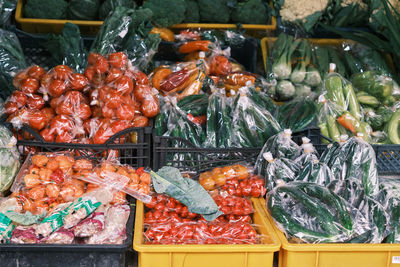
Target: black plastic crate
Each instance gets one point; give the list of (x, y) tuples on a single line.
[(32, 255), (131, 146), (182, 154)]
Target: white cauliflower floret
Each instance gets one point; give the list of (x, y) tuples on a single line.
[(293, 10)]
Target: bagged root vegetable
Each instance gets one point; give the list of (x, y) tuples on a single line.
[(310, 213)]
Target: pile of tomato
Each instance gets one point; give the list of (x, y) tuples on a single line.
[(67, 107)]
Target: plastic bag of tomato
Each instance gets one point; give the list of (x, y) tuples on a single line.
[(67, 107)]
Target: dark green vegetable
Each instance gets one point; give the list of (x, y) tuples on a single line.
[(297, 114), (6, 9), (46, 9), (67, 48), (194, 104), (12, 60), (166, 12), (192, 14), (334, 88), (251, 12), (216, 11), (322, 59), (393, 127), (83, 9), (109, 5)]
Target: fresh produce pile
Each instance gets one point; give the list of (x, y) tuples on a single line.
[(333, 198), (9, 155), (168, 221), (307, 16), (69, 107), (367, 105), (58, 199), (296, 67)]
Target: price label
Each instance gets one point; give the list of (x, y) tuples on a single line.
[(396, 259)]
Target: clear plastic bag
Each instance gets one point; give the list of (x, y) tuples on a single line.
[(9, 159), (310, 213), (316, 172), (279, 171), (252, 125)]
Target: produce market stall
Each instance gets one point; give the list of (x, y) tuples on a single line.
[(196, 132)]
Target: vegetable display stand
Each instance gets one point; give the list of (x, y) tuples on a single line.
[(328, 255), (33, 25), (69, 255), (208, 255), (131, 146)]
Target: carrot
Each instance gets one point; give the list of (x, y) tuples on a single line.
[(342, 120)]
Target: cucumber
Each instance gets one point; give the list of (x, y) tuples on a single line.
[(393, 128), (368, 100)]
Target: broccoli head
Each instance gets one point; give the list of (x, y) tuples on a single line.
[(251, 12), (46, 9), (192, 14), (110, 5), (83, 9), (218, 11), (166, 12)]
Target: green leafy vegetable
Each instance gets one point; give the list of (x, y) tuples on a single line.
[(166, 12), (83, 9), (168, 180), (46, 9), (110, 5)]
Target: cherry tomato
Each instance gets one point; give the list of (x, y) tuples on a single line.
[(125, 112), (64, 137), (11, 107), (246, 190), (18, 78), (150, 107), (119, 125), (139, 77), (101, 65), (65, 108), (118, 59), (37, 120), (89, 73), (75, 97), (54, 102), (140, 121), (35, 102), (255, 192), (19, 97), (46, 80), (36, 72), (113, 75), (57, 176), (47, 135), (114, 99), (108, 112), (78, 81), (29, 85), (61, 72), (57, 88), (124, 85)]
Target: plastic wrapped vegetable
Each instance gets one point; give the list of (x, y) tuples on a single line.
[(352, 191), (315, 172), (297, 114), (279, 171), (310, 213), (328, 113), (9, 163), (308, 155), (390, 198), (252, 125)]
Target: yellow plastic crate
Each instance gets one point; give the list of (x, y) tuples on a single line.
[(87, 27), (334, 255), (260, 255)]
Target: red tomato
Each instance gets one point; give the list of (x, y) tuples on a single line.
[(124, 85), (11, 107), (35, 102), (150, 107), (104, 93), (46, 80), (75, 97), (140, 121), (61, 72), (65, 108), (64, 137), (142, 92), (47, 135), (57, 88), (37, 120), (107, 112), (101, 136), (255, 192), (61, 123), (89, 73), (29, 85), (83, 111), (125, 112), (113, 75), (114, 99), (246, 190), (92, 58), (101, 65), (118, 59), (78, 81), (36, 72), (54, 102), (19, 97), (139, 77), (18, 78), (57, 176), (119, 125)]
